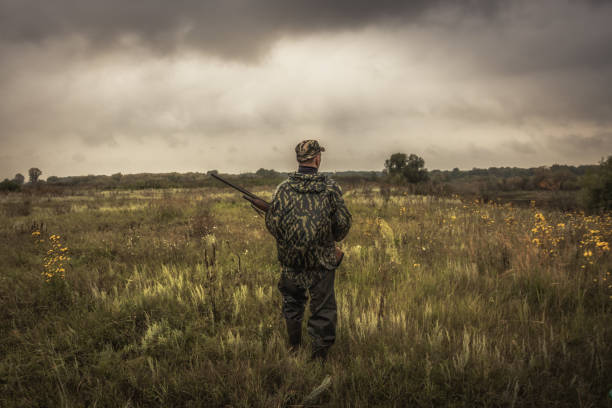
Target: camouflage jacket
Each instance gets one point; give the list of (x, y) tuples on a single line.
[(307, 216)]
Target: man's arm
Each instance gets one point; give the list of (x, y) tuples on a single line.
[(272, 215)]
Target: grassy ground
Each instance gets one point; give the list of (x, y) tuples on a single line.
[(168, 298)]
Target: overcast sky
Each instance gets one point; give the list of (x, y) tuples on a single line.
[(98, 87)]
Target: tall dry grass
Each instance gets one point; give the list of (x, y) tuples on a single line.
[(169, 299)]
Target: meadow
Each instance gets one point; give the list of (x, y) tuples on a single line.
[(168, 298)]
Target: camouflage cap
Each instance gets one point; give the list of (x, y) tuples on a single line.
[(307, 149)]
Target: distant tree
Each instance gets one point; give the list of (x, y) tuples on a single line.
[(395, 164), (597, 187), (266, 173), (34, 174), (9, 185), (409, 168), (116, 177), (543, 179), (19, 179), (565, 178), (52, 179), (415, 171)]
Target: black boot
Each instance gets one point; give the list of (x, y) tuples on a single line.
[(294, 329)]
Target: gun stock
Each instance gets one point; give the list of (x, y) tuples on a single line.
[(258, 203)]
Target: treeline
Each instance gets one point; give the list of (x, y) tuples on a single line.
[(261, 177), (554, 178), (568, 187)]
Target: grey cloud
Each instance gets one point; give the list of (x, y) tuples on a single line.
[(516, 146), (98, 139), (78, 158), (230, 28), (582, 146), (555, 55)]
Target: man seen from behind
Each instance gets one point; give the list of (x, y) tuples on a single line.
[(307, 217)]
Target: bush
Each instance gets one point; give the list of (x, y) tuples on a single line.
[(597, 187), (9, 185)]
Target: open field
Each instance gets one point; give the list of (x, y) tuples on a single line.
[(168, 298)]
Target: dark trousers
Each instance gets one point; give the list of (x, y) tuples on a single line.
[(323, 311)]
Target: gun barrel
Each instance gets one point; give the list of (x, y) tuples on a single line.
[(242, 190)]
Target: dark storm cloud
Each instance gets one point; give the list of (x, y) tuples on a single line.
[(580, 145), (159, 84), (516, 146), (229, 28)]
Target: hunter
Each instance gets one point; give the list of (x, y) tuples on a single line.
[(307, 217)]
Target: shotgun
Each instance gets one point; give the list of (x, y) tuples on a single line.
[(255, 201)]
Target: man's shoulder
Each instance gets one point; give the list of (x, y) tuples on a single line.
[(281, 188), (332, 185), (283, 185)]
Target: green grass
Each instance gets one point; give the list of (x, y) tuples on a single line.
[(170, 299)]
